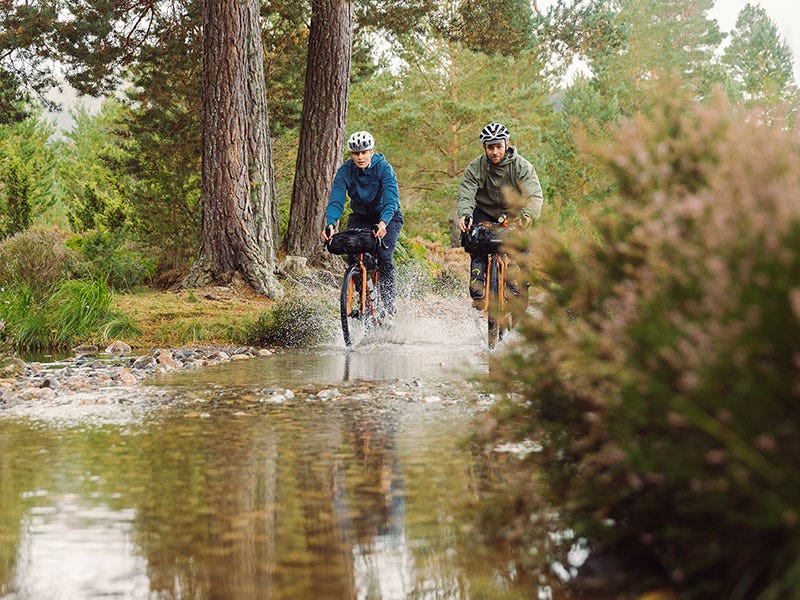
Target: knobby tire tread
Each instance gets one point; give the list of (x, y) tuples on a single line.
[(368, 314), (346, 301), (493, 311)]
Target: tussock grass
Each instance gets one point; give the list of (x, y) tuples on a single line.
[(76, 311)]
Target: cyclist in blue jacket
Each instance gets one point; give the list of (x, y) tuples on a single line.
[(370, 183)]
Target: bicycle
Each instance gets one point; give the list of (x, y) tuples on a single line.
[(360, 305), (484, 238)]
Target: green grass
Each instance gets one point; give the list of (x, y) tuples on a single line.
[(76, 311)]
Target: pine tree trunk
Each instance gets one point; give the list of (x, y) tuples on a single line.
[(263, 193), (235, 228), (323, 122)]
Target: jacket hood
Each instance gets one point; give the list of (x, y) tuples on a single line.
[(511, 154), (377, 158)]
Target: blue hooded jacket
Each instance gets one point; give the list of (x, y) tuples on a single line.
[(373, 191)]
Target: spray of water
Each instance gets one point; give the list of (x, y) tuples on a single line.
[(430, 337)]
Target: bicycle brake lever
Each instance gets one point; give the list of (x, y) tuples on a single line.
[(379, 243)]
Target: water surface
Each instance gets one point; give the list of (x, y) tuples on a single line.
[(219, 483)]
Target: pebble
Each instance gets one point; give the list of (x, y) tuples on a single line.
[(91, 370), (108, 379)]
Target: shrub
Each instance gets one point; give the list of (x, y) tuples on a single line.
[(662, 380), (37, 259), (292, 322), (108, 256)]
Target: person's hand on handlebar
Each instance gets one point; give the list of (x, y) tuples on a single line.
[(465, 222), (328, 232), (524, 221), (379, 230)]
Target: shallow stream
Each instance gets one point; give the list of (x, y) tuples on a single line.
[(325, 474)]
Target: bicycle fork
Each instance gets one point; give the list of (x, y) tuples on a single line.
[(369, 292)]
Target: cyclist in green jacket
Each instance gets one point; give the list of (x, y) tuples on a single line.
[(496, 185)]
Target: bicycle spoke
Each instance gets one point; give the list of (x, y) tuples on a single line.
[(359, 312), (494, 308)]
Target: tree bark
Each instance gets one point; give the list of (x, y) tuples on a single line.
[(323, 122), (236, 222), (263, 193)]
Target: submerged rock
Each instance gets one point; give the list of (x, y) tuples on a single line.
[(90, 371), (119, 348)]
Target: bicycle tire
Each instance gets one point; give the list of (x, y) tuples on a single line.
[(358, 314), (494, 305), (350, 305), (505, 320)]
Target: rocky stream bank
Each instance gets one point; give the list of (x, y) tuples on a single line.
[(113, 370), (114, 376)]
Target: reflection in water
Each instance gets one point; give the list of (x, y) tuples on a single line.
[(79, 544), (433, 342), (233, 499), (383, 561), (221, 494)]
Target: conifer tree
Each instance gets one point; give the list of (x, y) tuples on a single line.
[(26, 33), (759, 61), (663, 38)]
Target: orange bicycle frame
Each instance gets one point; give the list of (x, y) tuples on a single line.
[(501, 282), (365, 298)]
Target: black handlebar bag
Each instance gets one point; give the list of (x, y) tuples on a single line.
[(481, 240), (352, 241)]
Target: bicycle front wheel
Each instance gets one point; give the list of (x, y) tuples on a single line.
[(359, 311), (351, 307), (495, 309)]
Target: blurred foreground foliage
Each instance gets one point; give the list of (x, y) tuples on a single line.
[(661, 375)]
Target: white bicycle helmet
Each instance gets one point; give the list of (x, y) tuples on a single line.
[(494, 132), (360, 141)]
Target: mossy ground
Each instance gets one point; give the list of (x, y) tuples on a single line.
[(209, 315)]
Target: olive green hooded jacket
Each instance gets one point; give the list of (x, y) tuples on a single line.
[(509, 188)]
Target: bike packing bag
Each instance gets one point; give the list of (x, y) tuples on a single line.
[(352, 241), (481, 240)]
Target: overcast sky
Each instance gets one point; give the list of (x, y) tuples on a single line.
[(784, 13)]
